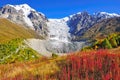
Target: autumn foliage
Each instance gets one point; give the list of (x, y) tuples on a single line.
[(100, 65), (91, 65)]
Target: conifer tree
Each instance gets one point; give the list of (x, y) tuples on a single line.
[(113, 42), (106, 44)]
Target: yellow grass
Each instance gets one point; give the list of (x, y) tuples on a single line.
[(9, 30), (40, 67)]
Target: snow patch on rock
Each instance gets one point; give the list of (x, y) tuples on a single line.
[(26, 11)]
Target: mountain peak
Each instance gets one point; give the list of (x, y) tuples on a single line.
[(24, 7), (107, 14)]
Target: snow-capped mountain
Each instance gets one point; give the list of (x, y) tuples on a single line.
[(80, 23), (25, 15), (59, 29), (106, 15), (26, 11), (59, 33)]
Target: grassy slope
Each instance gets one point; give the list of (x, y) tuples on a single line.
[(16, 51), (12, 48), (9, 30)]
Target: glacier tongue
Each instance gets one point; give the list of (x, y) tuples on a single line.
[(58, 30), (59, 40)]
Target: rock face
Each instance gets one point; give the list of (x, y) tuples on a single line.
[(25, 15), (81, 22), (103, 29)]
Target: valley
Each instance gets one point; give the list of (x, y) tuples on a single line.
[(81, 46)]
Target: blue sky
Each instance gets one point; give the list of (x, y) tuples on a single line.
[(63, 8)]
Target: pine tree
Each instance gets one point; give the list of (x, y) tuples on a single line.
[(106, 44), (113, 42)]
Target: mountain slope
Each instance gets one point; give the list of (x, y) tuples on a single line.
[(16, 51), (9, 30), (81, 22), (12, 46), (74, 25), (103, 29), (23, 14)]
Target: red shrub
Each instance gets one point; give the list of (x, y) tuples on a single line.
[(99, 65)]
